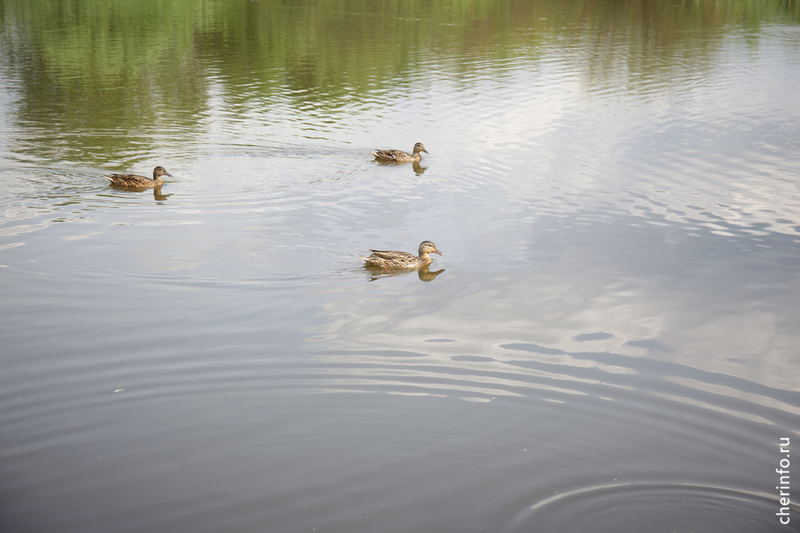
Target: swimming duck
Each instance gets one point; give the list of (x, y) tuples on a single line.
[(400, 156), (402, 260), (132, 180)]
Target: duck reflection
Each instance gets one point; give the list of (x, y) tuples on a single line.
[(415, 165), (158, 196), (418, 169), (424, 273)]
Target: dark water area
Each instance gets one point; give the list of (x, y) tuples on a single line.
[(610, 342)]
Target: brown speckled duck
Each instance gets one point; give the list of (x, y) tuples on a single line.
[(133, 180), (403, 260), (400, 156)]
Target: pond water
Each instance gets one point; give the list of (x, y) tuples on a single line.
[(609, 344)]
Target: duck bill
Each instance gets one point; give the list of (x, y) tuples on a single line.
[(438, 252)]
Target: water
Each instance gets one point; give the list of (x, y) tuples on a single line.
[(609, 343)]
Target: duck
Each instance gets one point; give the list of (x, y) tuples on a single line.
[(400, 156), (389, 259), (133, 180)]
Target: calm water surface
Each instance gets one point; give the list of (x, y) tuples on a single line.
[(610, 343)]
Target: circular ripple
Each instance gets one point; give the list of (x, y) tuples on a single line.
[(638, 507)]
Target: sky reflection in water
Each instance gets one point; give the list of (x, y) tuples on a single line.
[(614, 325)]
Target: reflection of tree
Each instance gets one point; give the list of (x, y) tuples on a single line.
[(96, 76), (118, 71)]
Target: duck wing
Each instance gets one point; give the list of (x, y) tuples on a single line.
[(391, 255), (392, 155), (129, 180)]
